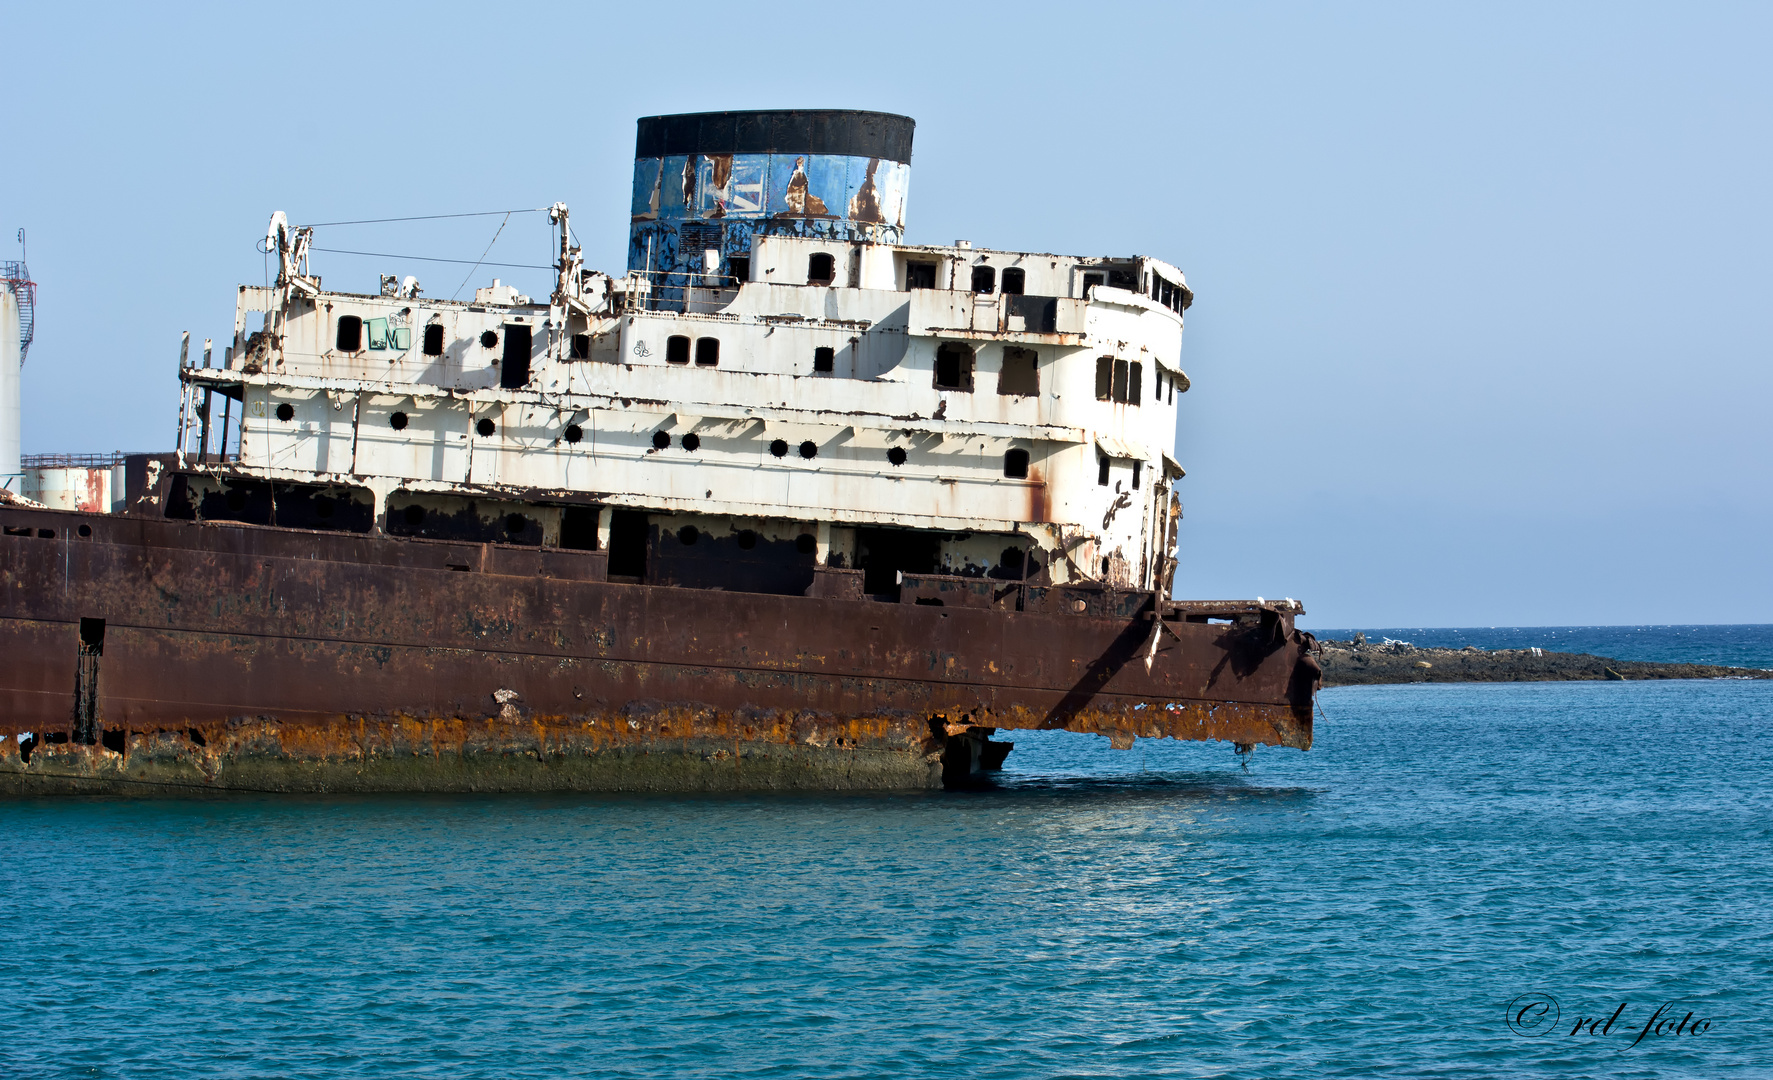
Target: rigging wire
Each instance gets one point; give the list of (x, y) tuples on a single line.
[(422, 258), (424, 217), (483, 255)]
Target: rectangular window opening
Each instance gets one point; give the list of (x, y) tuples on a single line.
[(1015, 279), (1135, 380), (1090, 281), (434, 339), (1015, 464), (1104, 378), (821, 269), (954, 367), (1137, 467), (677, 349), (920, 275), (578, 528), (984, 279), (581, 347), (1102, 464), (514, 364), (350, 337), (824, 359), (1120, 381), (707, 351), (738, 268), (1020, 374)]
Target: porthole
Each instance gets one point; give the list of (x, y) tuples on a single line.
[(573, 433), (486, 427), (896, 455), (779, 448), (397, 421), (286, 412), (806, 543), (489, 340), (809, 449), (747, 539), (515, 523), (692, 442), (661, 440), (688, 535)]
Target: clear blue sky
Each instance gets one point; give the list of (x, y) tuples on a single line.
[(1481, 333)]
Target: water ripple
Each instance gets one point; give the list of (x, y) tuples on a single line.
[(1366, 909)]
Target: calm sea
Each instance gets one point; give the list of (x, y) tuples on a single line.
[(1369, 908)]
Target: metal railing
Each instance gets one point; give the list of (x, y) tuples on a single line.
[(72, 461), (17, 275), (661, 290)]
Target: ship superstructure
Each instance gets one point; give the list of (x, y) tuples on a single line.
[(774, 376), (787, 502)]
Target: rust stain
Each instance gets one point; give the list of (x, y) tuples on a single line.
[(865, 206), (801, 202), (240, 657)]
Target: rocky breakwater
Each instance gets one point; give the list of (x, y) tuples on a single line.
[(1358, 662)]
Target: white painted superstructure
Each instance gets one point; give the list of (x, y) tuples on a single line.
[(843, 385)]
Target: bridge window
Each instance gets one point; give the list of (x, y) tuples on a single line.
[(1015, 279), (920, 275), (707, 351), (821, 269), (1091, 280), (1015, 464), (350, 337), (954, 367), (984, 279), (677, 349), (1117, 380), (738, 268)]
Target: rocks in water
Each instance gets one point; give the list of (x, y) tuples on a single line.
[(1356, 662)]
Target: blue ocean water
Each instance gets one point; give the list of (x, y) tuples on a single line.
[(1369, 908), (1740, 645)]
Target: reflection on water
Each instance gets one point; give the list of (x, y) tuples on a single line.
[(1365, 908)]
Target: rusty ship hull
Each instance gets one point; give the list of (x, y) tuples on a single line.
[(148, 656)]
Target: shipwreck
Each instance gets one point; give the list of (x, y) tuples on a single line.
[(787, 503)]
